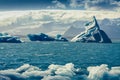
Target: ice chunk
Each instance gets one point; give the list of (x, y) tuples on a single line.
[(102, 72), (5, 37), (60, 38), (40, 37), (61, 72), (97, 72), (57, 77)]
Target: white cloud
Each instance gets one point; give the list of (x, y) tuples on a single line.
[(76, 3), (57, 5), (53, 20), (102, 5), (110, 5)]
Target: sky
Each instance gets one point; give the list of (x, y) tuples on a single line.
[(51, 22), (112, 5), (52, 16)]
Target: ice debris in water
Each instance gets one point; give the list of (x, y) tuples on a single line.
[(67, 70), (4, 78), (102, 72), (97, 72), (61, 72), (57, 77), (28, 71)]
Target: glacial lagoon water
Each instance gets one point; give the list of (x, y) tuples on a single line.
[(59, 61)]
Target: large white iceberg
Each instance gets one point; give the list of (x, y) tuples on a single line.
[(92, 33)]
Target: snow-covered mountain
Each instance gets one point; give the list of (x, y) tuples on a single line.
[(111, 27), (73, 31)]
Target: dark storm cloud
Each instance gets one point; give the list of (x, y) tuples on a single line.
[(95, 4), (102, 4), (59, 4), (23, 4), (28, 4)]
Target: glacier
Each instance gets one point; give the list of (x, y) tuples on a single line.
[(92, 33)]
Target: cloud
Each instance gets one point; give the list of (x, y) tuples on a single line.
[(101, 5), (76, 3), (113, 5), (49, 21), (57, 5)]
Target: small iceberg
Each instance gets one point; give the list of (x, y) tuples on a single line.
[(92, 33), (60, 38), (6, 38), (44, 37), (40, 37)]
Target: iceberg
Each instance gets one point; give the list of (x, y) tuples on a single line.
[(5, 37), (92, 33), (60, 38), (40, 37)]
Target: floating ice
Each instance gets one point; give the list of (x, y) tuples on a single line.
[(40, 37), (102, 72), (60, 38), (44, 37), (57, 77), (67, 70), (4, 78), (61, 72), (5, 37), (97, 72), (92, 33)]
